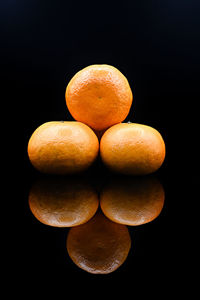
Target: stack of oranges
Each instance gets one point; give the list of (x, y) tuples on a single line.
[(99, 98)]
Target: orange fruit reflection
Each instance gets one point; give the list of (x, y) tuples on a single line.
[(100, 246), (63, 202), (131, 200)]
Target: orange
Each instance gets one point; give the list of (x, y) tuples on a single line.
[(99, 96), (99, 246), (132, 149), (132, 201), (63, 202), (63, 147)]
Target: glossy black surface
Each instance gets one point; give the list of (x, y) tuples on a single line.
[(156, 46)]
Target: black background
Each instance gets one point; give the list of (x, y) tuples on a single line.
[(156, 45)]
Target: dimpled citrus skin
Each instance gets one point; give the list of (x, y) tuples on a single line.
[(99, 96), (132, 201), (63, 202), (131, 148), (63, 147), (99, 246)]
